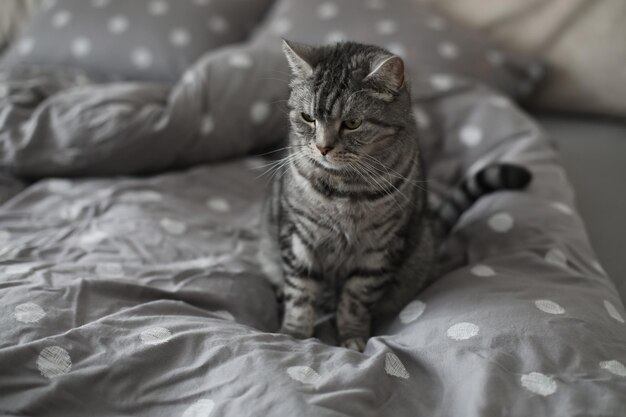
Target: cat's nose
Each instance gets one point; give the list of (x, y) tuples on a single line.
[(324, 149)]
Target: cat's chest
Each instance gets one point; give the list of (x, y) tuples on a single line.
[(342, 244)]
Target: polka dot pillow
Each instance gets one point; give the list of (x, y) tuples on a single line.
[(137, 40), (430, 44)]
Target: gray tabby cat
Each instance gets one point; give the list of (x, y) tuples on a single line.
[(349, 214)]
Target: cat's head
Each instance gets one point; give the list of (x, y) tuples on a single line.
[(347, 100)]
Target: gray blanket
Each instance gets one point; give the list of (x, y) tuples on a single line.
[(144, 297)]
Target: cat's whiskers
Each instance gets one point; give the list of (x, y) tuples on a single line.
[(390, 184), (392, 172), (276, 166), (362, 169)]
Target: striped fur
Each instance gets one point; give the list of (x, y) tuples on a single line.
[(351, 225), (486, 181)]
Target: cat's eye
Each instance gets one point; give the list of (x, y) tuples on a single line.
[(307, 118), (352, 124)]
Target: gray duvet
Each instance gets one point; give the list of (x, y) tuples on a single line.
[(144, 297)]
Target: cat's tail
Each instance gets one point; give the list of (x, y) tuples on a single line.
[(493, 178)]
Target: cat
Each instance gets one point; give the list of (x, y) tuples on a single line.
[(349, 214)]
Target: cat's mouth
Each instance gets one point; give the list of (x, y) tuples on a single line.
[(329, 163)]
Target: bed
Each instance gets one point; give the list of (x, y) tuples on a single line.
[(129, 278)]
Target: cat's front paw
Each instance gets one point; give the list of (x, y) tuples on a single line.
[(355, 343)]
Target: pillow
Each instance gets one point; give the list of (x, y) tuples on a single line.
[(582, 40), (428, 42), (140, 39)]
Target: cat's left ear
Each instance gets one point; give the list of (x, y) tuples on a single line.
[(389, 71)]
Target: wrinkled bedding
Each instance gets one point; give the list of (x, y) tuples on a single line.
[(129, 278), (143, 296)]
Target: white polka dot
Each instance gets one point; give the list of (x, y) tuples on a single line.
[(327, 10), (412, 311), (563, 208), (481, 270), (25, 46), (495, 58), (595, 265), (138, 197), (240, 60), (100, 3), (448, 50), (18, 269), (5, 236), (436, 23), (397, 48), (260, 111), (539, 383), (155, 336), (395, 367), (110, 269), (501, 102), (141, 58), (28, 313), (158, 7), (61, 19), (463, 331), (81, 47), (422, 119), (471, 135), (614, 367), (201, 408), (441, 82), (207, 125), (501, 222), (281, 26), (556, 257), (173, 227), (550, 307), (180, 37), (218, 24), (218, 204), (612, 310), (118, 24), (54, 361), (304, 374), (92, 237), (189, 77), (335, 36), (375, 4), (386, 27)]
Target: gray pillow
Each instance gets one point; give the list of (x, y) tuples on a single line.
[(139, 39), (429, 43)]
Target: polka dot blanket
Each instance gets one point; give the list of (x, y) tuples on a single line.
[(142, 295)]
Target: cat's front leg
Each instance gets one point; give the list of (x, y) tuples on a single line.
[(300, 294), (354, 311)]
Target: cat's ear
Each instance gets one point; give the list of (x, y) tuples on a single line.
[(301, 57), (388, 71)]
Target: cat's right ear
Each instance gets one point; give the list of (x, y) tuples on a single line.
[(301, 57)]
